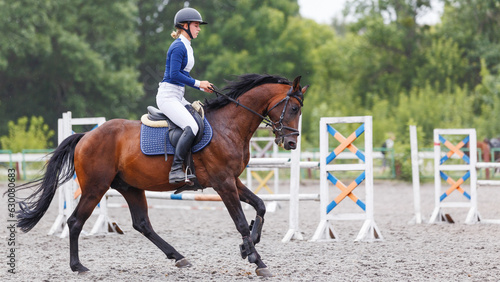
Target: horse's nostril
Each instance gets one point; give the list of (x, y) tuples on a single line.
[(292, 144)]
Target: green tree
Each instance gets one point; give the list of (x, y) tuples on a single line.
[(68, 55), (384, 61), (35, 135), (487, 97), (473, 24), (155, 22), (442, 65)]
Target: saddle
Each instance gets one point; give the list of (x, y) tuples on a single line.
[(157, 120)]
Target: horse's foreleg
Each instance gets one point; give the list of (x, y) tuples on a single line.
[(229, 196), (75, 224), (249, 197), (137, 203)]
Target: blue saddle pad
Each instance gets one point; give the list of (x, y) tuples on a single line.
[(153, 140)]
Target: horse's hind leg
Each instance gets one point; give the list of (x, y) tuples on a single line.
[(82, 212), (136, 200)]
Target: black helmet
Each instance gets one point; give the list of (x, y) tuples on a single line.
[(187, 15)]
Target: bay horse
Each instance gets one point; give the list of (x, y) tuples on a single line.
[(110, 156)]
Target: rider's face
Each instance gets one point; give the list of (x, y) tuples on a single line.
[(195, 28)]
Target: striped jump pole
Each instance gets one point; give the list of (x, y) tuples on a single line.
[(213, 197), (467, 164), (325, 232)]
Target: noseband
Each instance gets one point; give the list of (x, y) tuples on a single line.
[(278, 126)]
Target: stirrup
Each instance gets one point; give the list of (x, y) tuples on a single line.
[(189, 177)]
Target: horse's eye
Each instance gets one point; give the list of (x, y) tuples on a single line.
[(295, 109)]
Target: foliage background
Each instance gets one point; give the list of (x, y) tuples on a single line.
[(105, 58)]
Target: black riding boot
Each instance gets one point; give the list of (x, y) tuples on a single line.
[(181, 150)]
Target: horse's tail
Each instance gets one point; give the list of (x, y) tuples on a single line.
[(59, 169)]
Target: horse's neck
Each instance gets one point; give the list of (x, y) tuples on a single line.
[(241, 121)]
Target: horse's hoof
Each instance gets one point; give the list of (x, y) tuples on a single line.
[(264, 272), (79, 268), (183, 263), (83, 272)]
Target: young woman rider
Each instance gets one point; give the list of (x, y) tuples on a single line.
[(170, 97)]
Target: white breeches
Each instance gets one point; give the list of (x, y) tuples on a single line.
[(170, 100)]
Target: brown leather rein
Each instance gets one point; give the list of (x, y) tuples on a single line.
[(278, 126)]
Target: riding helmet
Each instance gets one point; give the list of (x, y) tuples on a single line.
[(187, 15)]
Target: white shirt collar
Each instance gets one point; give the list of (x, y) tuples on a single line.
[(185, 40)]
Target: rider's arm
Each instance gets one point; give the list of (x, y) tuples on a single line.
[(175, 69)]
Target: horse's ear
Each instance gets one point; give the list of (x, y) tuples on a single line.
[(296, 84), (304, 89)]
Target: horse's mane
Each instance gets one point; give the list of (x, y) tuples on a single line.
[(241, 85)]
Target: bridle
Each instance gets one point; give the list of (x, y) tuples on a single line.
[(278, 127)]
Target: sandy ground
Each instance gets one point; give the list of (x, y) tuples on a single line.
[(209, 240)]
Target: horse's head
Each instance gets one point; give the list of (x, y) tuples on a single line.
[(284, 114)]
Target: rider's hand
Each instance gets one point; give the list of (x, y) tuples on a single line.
[(206, 86)]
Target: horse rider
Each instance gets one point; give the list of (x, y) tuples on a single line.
[(170, 97)]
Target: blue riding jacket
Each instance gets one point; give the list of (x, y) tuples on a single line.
[(180, 61)]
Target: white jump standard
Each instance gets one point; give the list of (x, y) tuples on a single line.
[(469, 167), (369, 231), (417, 219)]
